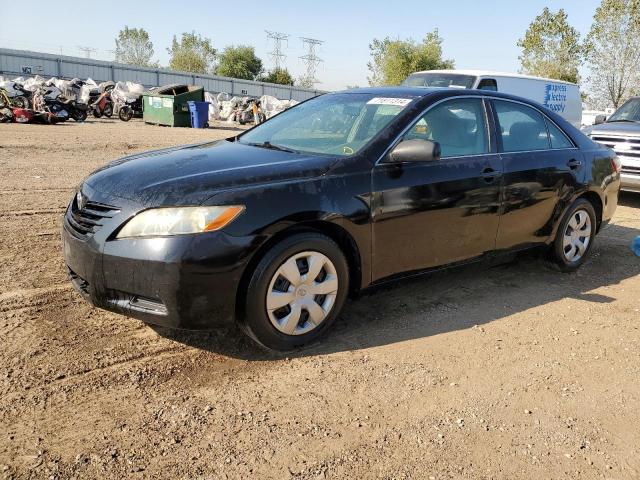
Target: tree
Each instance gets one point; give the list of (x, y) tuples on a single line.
[(551, 47), (239, 62), (192, 53), (278, 75), (613, 53), (134, 47), (394, 60)]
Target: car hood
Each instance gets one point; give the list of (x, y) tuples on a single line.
[(188, 175), (617, 128)]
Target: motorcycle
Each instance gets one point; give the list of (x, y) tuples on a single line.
[(127, 100), (102, 106), (47, 101), (101, 101), (129, 106), (18, 96)]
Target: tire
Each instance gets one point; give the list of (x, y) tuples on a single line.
[(20, 102), (79, 115), (566, 249), (108, 111), (293, 325), (125, 114)]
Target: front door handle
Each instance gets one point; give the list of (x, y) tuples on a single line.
[(489, 174), (574, 164)]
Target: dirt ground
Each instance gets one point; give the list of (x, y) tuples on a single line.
[(514, 371)]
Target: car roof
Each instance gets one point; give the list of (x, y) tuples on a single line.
[(425, 92), (489, 73)]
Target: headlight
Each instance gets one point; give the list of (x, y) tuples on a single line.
[(158, 222)]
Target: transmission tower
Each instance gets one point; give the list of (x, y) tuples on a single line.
[(276, 54), (87, 51), (312, 60)]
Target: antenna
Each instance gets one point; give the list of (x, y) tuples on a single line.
[(276, 54), (87, 51), (312, 60)]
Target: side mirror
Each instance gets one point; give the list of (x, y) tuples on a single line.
[(600, 119), (415, 150)]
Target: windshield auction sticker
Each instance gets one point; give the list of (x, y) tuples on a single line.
[(401, 102)]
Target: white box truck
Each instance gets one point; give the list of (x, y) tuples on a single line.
[(558, 96)]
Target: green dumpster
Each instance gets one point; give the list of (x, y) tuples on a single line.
[(168, 105)]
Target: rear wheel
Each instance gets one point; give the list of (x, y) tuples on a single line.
[(575, 236), (79, 115), (20, 102), (108, 111), (296, 292)]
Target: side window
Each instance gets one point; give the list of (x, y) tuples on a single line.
[(488, 84), (522, 128), (459, 126), (558, 137)]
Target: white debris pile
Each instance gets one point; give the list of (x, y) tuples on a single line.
[(32, 84), (272, 106), (9, 86), (214, 107), (228, 108), (127, 90)]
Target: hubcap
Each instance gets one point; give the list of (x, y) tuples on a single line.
[(577, 236), (302, 293)]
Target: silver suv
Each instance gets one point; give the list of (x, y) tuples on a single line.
[(621, 132)]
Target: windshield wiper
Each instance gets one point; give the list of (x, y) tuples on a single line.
[(271, 146)]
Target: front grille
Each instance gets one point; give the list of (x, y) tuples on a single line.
[(84, 222), (79, 283), (622, 145)]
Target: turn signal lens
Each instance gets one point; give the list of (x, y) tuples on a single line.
[(616, 163), (224, 218), (158, 222)]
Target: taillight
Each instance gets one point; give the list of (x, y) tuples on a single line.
[(616, 164)]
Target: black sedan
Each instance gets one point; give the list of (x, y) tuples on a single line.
[(274, 228)]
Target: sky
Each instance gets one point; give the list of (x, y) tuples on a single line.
[(476, 35)]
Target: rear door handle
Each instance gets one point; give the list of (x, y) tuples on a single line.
[(574, 164), (489, 174)]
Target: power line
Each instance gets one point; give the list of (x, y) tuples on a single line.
[(276, 54), (312, 60), (87, 50)]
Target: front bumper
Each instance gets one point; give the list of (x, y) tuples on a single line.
[(187, 281)]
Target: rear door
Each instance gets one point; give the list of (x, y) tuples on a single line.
[(542, 170), (434, 213)]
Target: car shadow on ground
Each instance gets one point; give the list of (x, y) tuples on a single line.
[(449, 300)]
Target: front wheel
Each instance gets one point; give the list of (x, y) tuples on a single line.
[(296, 292), (575, 236), (125, 114)]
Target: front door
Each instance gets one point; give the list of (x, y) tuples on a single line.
[(435, 213)]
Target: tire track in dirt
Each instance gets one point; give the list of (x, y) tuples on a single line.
[(26, 213)]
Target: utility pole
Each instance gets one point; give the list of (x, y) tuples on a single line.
[(87, 51), (276, 54), (312, 60)]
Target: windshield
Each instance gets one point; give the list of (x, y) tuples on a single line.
[(446, 80), (333, 124), (630, 111)]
